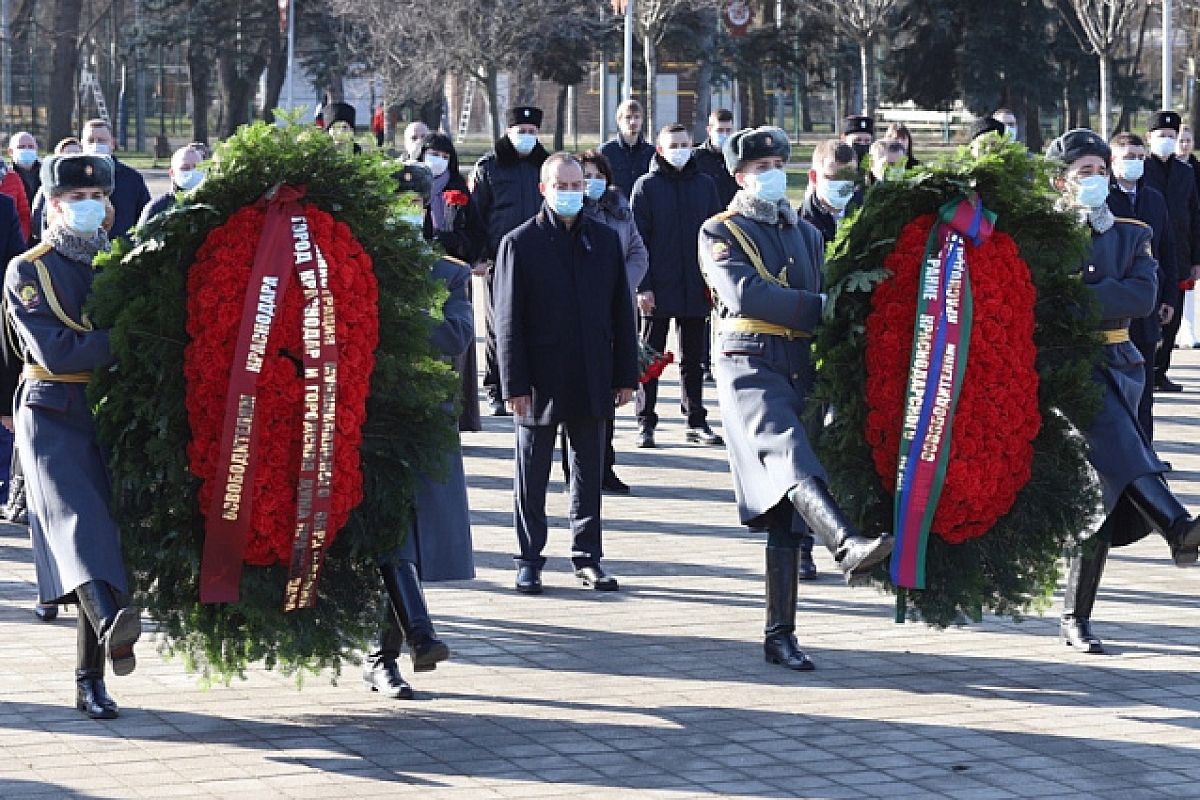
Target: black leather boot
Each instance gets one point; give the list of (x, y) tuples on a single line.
[(1083, 582), (404, 590), (856, 554), (780, 646), (91, 696), (381, 672), (117, 624), (1151, 496), (808, 567)]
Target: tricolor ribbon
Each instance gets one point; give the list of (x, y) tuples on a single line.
[(941, 338)]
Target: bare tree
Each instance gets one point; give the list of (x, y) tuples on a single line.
[(654, 21), (864, 22), (1103, 24)]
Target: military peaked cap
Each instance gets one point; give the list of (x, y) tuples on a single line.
[(1164, 119), (751, 143), (857, 123), (77, 171), (414, 177), (986, 125), (524, 115), (1075, 144), (339, 112)]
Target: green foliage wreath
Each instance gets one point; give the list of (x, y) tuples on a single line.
[(140, 295), (1014, 567)]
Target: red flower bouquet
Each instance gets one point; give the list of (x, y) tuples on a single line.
[(651, 363)]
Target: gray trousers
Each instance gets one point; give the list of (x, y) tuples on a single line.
[(585, 454)]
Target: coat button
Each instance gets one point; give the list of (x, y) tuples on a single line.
[(1091, 267), (795, 376), (791, 260)]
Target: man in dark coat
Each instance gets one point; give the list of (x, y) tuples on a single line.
[(23, 153), (831, 191), (1177, 182), (669, 205), (1122, 275), (184, 177), (129, 195), (568, 355), (764, 266), (1130, 197), (711, 160), (628, 153), (504, 191)]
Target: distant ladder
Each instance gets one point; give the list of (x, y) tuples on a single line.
[(464, 118), (87, 80)]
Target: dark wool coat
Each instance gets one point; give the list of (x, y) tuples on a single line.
[(504, 189), (1122, 274), (129, 197), (669, 206), (712, 163), (1177, 183), (628, 162), (1149, 207), (763, 380), (564, 325), (439, 542), (12, 244), (74, 538)]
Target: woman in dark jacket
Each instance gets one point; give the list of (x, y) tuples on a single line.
[(900, 132), (453, 221)]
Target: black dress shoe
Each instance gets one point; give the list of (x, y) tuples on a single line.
[(1165, 384), (427, 651), (529, 579), (782, 649), (46, 612), (807, 567), (614, 485), (499, 409), (646, 438), (702, 434), (707, 377), (595, 577), (382, 674)]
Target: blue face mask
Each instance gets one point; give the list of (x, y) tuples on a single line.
[(84, 216), (596, 187), (770, 185), (524, 142), (25, 157), (1093, 191), (720, 139), (189, 179), (565, 203)]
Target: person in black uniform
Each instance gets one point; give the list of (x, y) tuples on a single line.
[(1177, 182), (1130, 197), (763, 264), (76, 544), (711, 159), (1123, 277)]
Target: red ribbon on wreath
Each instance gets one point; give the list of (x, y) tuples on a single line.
[(279, 456)]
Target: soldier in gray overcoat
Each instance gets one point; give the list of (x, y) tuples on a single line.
[(763, 265), (1123, 277), (438, 546), (76, 545)]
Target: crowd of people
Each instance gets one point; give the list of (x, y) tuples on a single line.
[(580, 257)]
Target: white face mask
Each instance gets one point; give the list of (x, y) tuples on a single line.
[(770, 185), (97, 149), (836, 193), (188, 179), (437, 165), (679, 157), (1092, 191), (1162, 146), (1132, 169)]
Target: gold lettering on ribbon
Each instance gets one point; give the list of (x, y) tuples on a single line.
[(263, 319)]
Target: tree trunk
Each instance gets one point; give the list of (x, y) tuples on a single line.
[(758, 99), (650, 52), (560, 118), (337, 86), (803, 101), (64, 61), (493, 99), (1105, 95), (704, 75), (1033, 126), (866, 65), (237, 89), (276, 74), (200, 79)]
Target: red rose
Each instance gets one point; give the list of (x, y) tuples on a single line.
[(455, 197)]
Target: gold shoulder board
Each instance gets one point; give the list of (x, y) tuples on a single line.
[(458, 261), (1131, 221)]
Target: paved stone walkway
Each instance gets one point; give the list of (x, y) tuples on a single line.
[(659, 690)]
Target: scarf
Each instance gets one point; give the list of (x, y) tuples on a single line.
[(437, 203), (73, 246), (765, 211), (1099, 219)]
